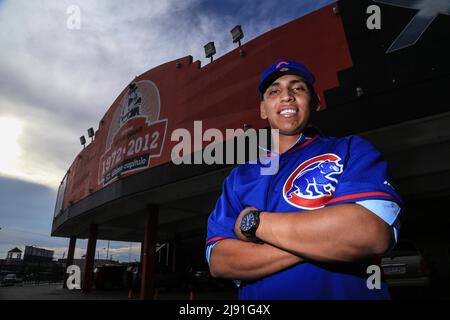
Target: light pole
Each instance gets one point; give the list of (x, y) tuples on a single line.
[(129, 253), (107, 251)]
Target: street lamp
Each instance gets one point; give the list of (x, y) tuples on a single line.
[(107, 251)]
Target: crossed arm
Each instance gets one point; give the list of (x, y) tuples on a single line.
[(340, 233)]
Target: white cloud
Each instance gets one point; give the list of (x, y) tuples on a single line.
[(51, 76), (10, 131)]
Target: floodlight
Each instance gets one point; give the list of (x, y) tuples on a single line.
[(83, 140), (91, 133), (237, 34), (210, 50)]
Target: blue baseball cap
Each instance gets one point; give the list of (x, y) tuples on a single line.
[(283, 67)]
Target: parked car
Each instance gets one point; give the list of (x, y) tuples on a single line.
[(109, 276), (11, 280), (198, 277), (164, 278), (405, 266)]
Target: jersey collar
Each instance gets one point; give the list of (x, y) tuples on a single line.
[(300, 143)]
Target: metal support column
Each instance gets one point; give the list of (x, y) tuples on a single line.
[(69, 261), (90, 259), (149, 245)]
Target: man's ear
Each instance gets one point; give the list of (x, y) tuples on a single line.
[(319, 103), (262, 110)]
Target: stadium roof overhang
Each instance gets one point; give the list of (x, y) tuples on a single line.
[(120, 209)]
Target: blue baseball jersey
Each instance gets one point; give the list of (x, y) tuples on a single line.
[(314, 173)]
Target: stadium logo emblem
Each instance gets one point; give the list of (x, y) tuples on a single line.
[(313, 182), (136, 133), (131, 106)]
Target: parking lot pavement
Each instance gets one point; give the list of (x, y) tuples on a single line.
[(56, 292), (197, 295)]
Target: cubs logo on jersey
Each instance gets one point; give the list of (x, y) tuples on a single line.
[(313, 182)]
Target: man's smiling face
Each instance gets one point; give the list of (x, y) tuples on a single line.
[(286, 105)]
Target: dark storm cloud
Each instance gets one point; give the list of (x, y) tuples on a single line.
[(26, 205), (26, 212)]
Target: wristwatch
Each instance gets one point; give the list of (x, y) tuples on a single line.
[(250, 223)]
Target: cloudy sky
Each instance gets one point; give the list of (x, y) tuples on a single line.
[(57, 80)]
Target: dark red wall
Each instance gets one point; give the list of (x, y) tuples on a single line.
[(222, 94)]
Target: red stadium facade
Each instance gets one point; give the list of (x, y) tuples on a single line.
[(123, 186)]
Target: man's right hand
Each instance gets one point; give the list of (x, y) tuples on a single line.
[(243, 260)]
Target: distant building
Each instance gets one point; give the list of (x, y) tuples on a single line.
[(34, 254), (14, 254)]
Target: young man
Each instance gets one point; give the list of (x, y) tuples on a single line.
[(311, 230)]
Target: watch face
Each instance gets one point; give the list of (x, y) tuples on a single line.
[(247, 222)]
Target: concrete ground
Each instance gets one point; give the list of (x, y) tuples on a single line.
[(46, 291)]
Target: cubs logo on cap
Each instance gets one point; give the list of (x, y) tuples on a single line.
[(283, 67), (313, 182), (281, 63)]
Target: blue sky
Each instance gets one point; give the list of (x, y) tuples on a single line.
[(56, 82)]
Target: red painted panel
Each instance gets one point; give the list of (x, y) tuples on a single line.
[(134, 134)]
